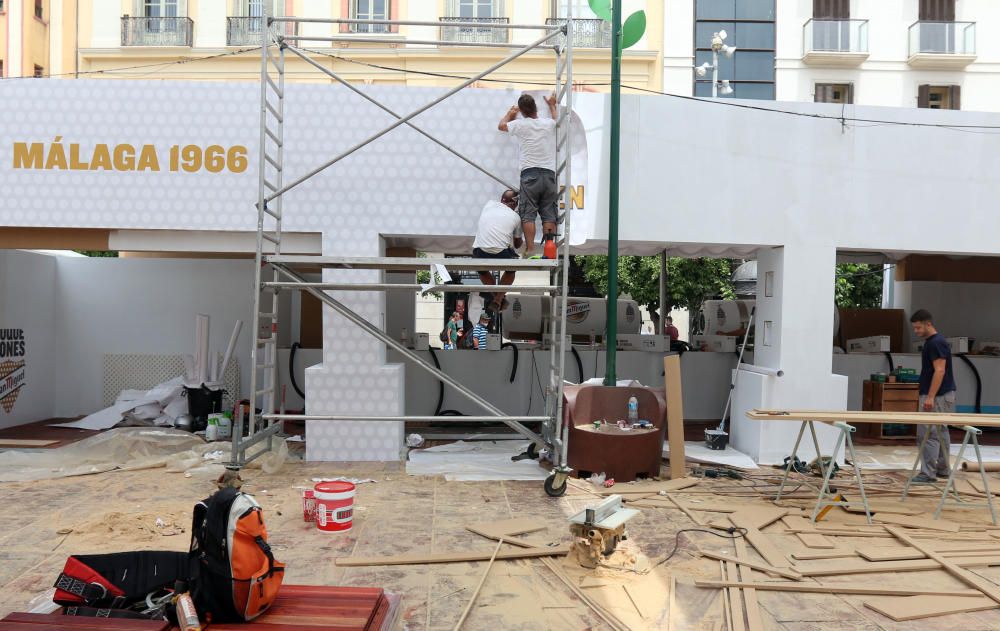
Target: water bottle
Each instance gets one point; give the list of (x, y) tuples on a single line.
[(633, 410)]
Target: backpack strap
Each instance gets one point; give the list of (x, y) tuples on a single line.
[(94, 612)]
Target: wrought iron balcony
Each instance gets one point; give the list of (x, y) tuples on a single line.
[(586, 33), (483, 35), (157, 31), (942, 44), (835, 42), (246, 30)]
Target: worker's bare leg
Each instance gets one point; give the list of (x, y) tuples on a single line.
[(529, 237)]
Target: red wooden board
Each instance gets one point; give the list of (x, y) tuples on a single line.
[(40, 622), (321, 608)]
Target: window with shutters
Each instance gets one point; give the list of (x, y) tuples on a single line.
[(939, 97), (834, 93)]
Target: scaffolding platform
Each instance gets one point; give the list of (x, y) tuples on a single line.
[(285, 271)]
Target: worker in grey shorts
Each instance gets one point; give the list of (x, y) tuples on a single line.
[(536, 139), (937, 394)]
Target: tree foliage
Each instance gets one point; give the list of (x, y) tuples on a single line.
[(859, 285), (99, 253), (689, 281)]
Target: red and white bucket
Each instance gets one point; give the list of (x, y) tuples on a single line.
[(334, 506)]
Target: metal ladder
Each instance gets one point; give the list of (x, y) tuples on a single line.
[(264, 372)]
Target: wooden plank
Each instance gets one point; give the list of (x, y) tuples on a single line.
[(675, 415), (763, 567), (815, 540), (516, 526), (950, 566), (650, 487), (903, 608), (918, 522), (736, 615), (39, 621), (916, 565), (761, 543), (809, 538), (811, 555), (690, 514), (758, 516), (842, 588), (25, 442), (635, 602), (601, 612), (889, 554), (479, 587), (450, 557), (754, 620), (852, 417), (883, 506)]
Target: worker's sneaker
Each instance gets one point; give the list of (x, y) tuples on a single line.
[(944, 474), (920, 478)]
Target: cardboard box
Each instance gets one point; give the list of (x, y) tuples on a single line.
[(648, 343), (872, 344), (714, 343), (958, 344), (493, 342)]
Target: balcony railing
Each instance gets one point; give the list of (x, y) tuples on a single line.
[(943, 38), (586, 33), (246, 31), (157, 31), (836, 36), (467, 34)]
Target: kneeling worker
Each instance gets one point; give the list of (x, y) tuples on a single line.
[(497, 236)]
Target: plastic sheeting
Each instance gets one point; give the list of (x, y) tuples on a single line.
[(698, 452), (130, 449), (462, 461)]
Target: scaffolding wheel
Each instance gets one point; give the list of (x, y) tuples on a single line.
[(555, 484)]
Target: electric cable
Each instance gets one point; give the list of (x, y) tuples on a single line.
[(742, 533), (979, 381), (440, 402), (892, 364), (291, 370), (513, 368), (579, 362), (164, 64)]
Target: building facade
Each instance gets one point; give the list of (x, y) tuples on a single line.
[(34, 35), (120, 33), (938, 54)]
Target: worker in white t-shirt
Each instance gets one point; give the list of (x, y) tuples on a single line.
[(536, 138), (497, 237)]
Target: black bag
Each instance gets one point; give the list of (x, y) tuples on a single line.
[(234, 577), (444, 335)]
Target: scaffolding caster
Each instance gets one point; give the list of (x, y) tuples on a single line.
[(555, 484), (531, 453)]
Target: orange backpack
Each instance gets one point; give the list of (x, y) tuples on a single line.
[(234, 577)]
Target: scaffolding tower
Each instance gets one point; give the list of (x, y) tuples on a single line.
[(276, 271)]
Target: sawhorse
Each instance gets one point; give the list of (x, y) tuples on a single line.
[(971, 435), (824, 491)]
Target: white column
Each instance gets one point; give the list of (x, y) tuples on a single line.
[(794, 333)]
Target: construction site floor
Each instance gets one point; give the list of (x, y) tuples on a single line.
[(44, 522)]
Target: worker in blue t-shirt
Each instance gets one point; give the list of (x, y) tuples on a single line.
[(937, 394)]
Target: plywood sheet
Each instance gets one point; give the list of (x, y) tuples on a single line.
[(24, 443), (903, 608), (675, 415)]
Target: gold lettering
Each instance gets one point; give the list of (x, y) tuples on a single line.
[(124, 157), (74, 158), (576, 197), (28, 156), (57, 156), (101, 159), (148, 160)]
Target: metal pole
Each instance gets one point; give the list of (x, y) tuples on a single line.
[(610, 376), (736, 373), (663, 293), (395, 345), (397, 41), (715, 73), (402, 121), (485, 25), (375, 102), (568, 202)]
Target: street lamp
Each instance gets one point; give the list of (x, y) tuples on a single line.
[(718, 45)]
